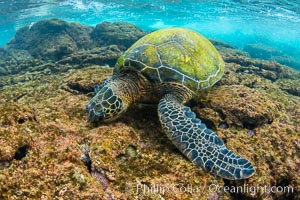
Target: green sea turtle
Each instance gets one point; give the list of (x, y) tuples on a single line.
[(171, 64)]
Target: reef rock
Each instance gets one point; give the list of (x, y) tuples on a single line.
[(266, 52), (267, 69), (238, 105), (98, 56), (14, 61), (262, 51), (289, 85), (121, 33), (288, 61), (3, 54), (220, 44), (52, 39)]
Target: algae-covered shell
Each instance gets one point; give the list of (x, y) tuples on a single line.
[(175, 55)]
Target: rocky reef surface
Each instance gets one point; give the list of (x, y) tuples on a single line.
[(48, 150), (263, 51)]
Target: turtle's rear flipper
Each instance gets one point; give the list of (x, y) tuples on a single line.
[(200, 144)]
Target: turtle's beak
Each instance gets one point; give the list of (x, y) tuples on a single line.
[(94, 115)]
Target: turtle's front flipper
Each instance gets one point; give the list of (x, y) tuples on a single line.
[(200, 144)]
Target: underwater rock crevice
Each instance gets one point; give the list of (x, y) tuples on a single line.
[(21, 152), (76, 87), (4, 164), (96, 173)]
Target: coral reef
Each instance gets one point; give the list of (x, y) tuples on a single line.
[(48, 150)]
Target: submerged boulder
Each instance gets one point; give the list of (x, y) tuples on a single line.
[(52, 39), (120, 33)]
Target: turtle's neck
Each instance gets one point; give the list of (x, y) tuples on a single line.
[(130, 85)]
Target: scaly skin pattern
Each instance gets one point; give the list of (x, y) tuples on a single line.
[(114, 95), (198, 143), (106, 103)]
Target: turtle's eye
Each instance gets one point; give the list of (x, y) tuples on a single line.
[(98, 107)]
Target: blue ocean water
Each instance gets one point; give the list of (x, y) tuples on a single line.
[(274, 23)]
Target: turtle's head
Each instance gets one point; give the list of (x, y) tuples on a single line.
[(106, 105)]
